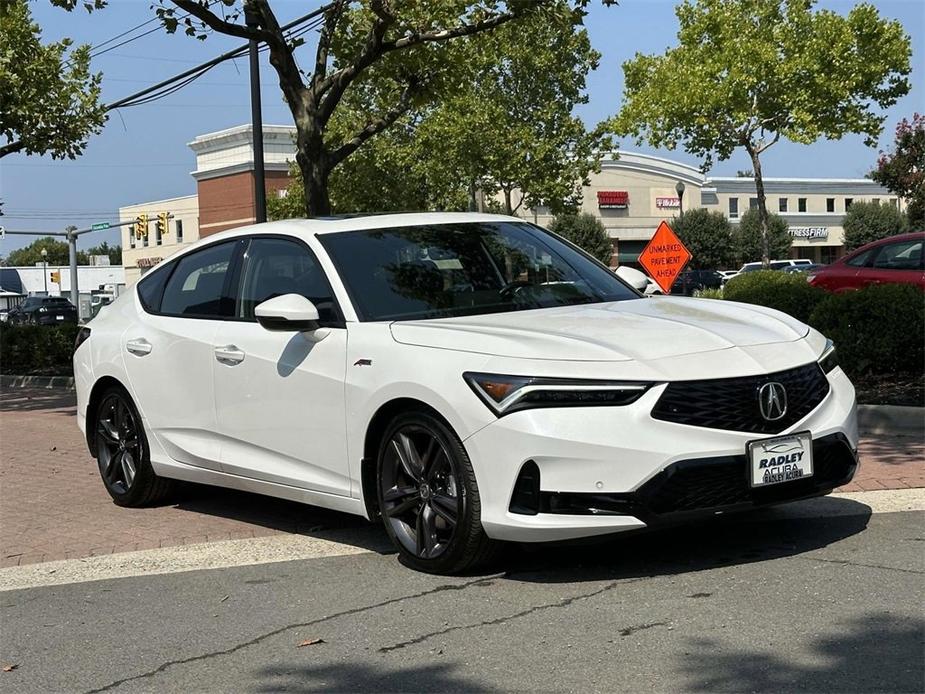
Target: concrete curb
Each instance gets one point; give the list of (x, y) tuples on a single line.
[(891, 419), (49, 382)]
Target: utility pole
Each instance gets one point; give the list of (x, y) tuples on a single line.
[(72, 263), (252, 20)]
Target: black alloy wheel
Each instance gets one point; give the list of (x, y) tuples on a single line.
[(428, 497), (122, 453)]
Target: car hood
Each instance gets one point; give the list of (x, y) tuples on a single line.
[(638, 329)]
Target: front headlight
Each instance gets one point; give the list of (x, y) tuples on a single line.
[(506, 394), (829, 360)]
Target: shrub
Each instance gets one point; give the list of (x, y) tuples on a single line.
[(708, 236), (37, 349), (786, 292), (709, 293), (870, 221), (876, 330), (748, 237), (587, 232)]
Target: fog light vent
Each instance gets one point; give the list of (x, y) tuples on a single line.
[(526, 497)]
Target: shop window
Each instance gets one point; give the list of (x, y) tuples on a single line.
[(828, 254), (801, 204), (179, 223), (782, 204), (848, 203), (733, 208), (753, 203), (830, 204)]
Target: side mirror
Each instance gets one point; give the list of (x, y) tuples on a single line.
[(634, 278), (289, 313)]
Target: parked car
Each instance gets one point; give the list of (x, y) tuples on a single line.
[(897, 259), (808, 268), (43, 310), (772, 265), (467, 378), (695, 280)]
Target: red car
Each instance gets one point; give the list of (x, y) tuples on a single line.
[(897, 259)]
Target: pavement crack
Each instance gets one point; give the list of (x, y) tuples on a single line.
[(565, 602), (257, 639), (848, 562)]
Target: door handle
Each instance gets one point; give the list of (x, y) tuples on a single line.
[(139, 347), (229, 355)]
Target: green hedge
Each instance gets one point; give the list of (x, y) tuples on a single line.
[(877, 330), (784, 291), (44, 350)]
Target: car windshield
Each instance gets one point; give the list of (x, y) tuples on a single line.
[(56, 302), (445, 270)]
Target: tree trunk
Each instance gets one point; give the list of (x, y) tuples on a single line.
[(508, 206), (473, 203), (762, 207), (313, 164)]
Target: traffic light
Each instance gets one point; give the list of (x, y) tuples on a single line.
[(162, 219), (141, 226), (56, 277)]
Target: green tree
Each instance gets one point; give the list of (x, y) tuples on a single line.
[(114, 252), (902, 171), (870, 221), (585, 231), (748, 72), (751, 242), (50, 99), (389, 56), (708, 236), (57, 253), (499, 130)]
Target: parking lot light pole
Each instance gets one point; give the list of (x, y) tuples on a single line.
[(252, 20), (679, 189), (45, 269)]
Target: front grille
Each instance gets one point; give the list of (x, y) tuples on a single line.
[(732, 403), (712, 483)]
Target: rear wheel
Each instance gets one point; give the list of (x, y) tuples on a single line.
[(122, 453), (428, 496)]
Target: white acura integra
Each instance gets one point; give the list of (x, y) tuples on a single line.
[(469, 378)]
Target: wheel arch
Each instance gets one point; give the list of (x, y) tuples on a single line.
[(375, 430)]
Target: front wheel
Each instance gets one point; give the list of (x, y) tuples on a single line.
[(428, 496)]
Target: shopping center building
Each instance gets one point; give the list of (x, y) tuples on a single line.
[(631, 194)]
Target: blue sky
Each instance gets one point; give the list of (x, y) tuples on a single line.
[(142, 154)]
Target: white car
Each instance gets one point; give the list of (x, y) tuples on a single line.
[(468, 378), (772, 265)]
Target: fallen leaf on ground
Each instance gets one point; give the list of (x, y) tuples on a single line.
[(10, 668), (309, 642)]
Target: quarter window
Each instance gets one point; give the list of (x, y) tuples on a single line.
[(197, 286), (277, 266)]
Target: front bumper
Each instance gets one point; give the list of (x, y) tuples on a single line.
[(609, 469)]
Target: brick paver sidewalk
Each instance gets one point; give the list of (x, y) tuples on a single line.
[(53, 505)]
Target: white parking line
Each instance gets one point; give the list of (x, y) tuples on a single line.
[(279, 548)]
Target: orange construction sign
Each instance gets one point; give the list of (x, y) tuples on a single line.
[(664, 257)]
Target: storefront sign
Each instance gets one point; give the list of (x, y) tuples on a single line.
[(613, 199), (669, 203), (809, 232), (148, 262)]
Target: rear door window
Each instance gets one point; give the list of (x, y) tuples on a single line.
[(197, 286), (906, 255)]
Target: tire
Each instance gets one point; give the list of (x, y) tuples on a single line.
[(417, 483), (122, 453)]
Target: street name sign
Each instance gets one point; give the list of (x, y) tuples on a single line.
[(99, 226), (664, 257)]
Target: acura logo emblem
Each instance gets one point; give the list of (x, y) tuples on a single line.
[(772, 401)]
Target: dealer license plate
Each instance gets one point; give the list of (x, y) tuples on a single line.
[(780, 459)]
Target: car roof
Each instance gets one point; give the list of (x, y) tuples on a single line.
[(339, 223)]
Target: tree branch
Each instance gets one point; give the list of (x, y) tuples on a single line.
[(331, 17), (447, 34), (12, 148), (766, 145), (213, 21), (376, 126)]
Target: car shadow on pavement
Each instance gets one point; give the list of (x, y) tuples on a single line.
[(364, 677), (36, 399), (282, 515), (873, 652), (761, 535)]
